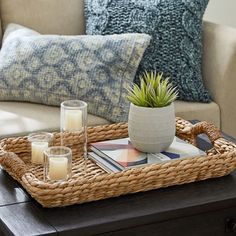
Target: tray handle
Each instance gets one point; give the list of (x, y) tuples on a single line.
[(209, 129), (2, 154), (12, 163)]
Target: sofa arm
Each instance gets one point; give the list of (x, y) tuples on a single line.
[(219, 71)]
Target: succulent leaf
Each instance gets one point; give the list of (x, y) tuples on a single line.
[(154, 91)]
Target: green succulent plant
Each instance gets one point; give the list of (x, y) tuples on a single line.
[(154, 91)]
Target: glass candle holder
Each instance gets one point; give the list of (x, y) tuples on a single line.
[(58, 163), (39, 143), (74, 120)]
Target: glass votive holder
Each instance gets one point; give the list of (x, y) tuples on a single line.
[(39, 143), (58, 163), (74, 120)]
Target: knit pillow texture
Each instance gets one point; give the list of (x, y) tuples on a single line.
[(49, 69), (176, 30)]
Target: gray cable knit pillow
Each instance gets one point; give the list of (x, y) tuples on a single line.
[(49, 69), (176, 30)]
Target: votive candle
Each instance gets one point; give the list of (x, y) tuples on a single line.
[(58, 163), (39, 143), (73, 120), (37, 149), (58, 168)]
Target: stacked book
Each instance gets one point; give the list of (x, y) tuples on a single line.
[(119, 154)]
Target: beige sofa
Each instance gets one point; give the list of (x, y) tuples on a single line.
[(66, 17)]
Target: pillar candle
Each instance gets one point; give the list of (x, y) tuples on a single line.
[(58, 168), (37, 149), (73, 120)]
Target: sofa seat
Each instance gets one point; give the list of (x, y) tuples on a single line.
[(22, 118)]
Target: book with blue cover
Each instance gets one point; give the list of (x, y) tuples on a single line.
[(121, 154)]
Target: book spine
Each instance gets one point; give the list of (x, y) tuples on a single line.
[(107, 158)]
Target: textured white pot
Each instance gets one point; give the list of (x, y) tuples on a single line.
[(151, 129)]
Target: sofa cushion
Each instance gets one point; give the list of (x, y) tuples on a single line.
[(17, 118), (198, 111), (64, 17), (50, 69), (176, 30)]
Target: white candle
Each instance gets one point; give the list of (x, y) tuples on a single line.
[(58, 168), (73, 120), (37, 149)]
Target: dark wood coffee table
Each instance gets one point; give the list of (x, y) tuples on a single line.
[(201, 208)]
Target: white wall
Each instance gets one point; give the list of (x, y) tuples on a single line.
[(222, 12)]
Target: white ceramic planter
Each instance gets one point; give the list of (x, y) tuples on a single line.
[(151, 129)]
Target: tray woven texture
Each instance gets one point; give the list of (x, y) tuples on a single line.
[(90, 183)]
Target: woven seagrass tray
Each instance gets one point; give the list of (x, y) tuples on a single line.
[(92, 183)]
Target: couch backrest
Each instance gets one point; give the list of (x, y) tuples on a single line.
[(64, 17)]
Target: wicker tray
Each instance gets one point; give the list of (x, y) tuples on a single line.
[(93, 183)]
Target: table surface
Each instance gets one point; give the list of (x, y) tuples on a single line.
[(22, 215)]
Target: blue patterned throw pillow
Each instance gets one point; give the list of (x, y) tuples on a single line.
[(49, 69), (176, 30)]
